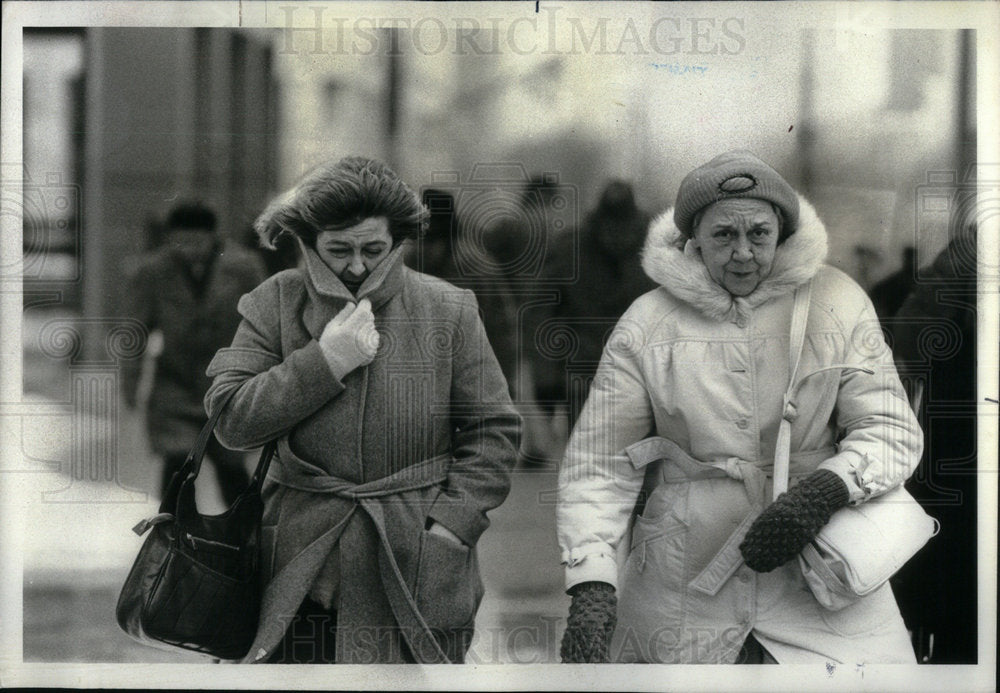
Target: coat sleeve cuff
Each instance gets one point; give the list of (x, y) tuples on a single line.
[(590, 567), (460, 516), (312, 368), (845, 464)]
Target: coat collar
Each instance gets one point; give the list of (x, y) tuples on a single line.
[(675, 264), (325, 287)]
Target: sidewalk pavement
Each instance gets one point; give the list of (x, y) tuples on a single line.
[(76, 554)]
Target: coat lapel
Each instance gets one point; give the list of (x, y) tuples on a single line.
[(328, 295)]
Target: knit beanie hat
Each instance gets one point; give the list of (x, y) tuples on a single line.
[(735, 174)]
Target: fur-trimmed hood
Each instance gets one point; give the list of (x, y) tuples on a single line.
[(675, 264)]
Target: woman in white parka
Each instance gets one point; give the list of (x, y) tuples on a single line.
[(684, 413)]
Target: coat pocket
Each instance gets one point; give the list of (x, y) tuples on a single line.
[(651, 602), (664, 500), (448, 588), (658, 543)]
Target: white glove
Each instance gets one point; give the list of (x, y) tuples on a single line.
[(350, 339)]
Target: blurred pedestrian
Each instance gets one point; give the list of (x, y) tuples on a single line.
[(935, 350), (888, 295), (686, 406), (517, 242), (603, 261), (187, 290), (520, 243), (395, 430), (436, 252)]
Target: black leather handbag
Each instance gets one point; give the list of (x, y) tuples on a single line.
[(194, 584)]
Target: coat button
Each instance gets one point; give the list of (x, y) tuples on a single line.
[(742, 424), (744, 577), (741, 322)]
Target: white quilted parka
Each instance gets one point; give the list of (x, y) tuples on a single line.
[(690, 363)]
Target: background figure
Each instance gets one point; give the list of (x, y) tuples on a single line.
[(607, 278), (511, 239), (888, 295), (434, 254), (937, 590), (187, 289), (519, 243)]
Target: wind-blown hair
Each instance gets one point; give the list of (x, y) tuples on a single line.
[(341, 194)]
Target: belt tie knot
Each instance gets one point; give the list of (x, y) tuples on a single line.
[(733, 467)]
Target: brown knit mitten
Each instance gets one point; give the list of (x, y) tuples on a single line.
[(592, 618), (791, 522)]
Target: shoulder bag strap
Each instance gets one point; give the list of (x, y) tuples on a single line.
[(198, 451), (192, 463), (800, 315)]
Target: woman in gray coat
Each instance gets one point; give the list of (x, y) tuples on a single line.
[(395, 430)]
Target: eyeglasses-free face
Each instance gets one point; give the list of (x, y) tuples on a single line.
[(737, 239), (353, 252)]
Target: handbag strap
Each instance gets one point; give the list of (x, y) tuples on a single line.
[(189, 470), (194, 457), (797, 334)]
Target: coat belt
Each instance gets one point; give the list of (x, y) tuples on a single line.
[(677, 466), (299, 474)]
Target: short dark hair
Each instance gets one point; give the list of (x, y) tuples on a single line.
[(191, 215), (341, 194)]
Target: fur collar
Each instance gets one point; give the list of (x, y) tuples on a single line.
[(676, 265)]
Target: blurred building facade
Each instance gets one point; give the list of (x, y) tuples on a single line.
[(121, 122), (856, 119), (126, 121), (129, 119)]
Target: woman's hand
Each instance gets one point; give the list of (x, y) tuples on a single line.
[(792, 520), (350, 339), (442, 531), (591, 622)]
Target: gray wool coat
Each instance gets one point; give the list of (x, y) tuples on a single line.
[(425, 433)]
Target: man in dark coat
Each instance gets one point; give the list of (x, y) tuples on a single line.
[(888, 295), (435, 254), (934, 334), (187, 289), (607, 278)]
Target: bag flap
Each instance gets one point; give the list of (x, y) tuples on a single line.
[(873, 540)]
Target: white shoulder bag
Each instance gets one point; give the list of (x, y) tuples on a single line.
[(862, 545)]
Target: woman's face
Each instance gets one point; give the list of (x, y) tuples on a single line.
[(352, 253), (737, 239)]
